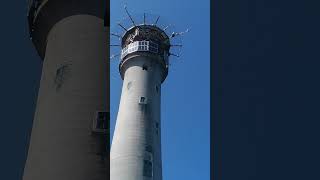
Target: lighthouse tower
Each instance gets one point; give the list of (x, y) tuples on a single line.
[(136, 145), (69, 136)]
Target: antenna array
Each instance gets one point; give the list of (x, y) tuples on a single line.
[(119, 30)]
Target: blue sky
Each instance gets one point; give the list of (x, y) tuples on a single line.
[(185, 112)]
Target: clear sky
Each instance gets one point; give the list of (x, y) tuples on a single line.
[(185, 112)]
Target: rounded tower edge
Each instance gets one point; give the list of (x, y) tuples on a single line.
[(129, 61), (44, 14), (146, 41)]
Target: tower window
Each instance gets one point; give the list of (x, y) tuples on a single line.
[(61, 75), (147, 168), (143, 100), (145, 67), (157, 88), (129, 85), (101, 122)]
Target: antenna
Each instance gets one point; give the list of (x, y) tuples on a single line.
[(113, 34), (132, 27), (122, 27), (174, 34), (114, 56), (125, 7), (177, 45), (171, 54), (156, 21), (166, 27)]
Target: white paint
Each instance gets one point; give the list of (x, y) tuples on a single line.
[(136, 127)]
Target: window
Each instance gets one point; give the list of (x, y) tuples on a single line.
[(101, 122), (145, 67), (143, 100), (147, 168), (157, 88), (61, 75), (129, 85), (139, 46)]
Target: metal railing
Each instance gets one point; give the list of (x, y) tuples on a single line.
[(142, 46)]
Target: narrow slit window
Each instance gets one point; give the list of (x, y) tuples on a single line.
[(147, 168), (129, 85), (101, 122)]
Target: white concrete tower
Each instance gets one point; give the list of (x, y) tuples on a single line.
[(136, 146)]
